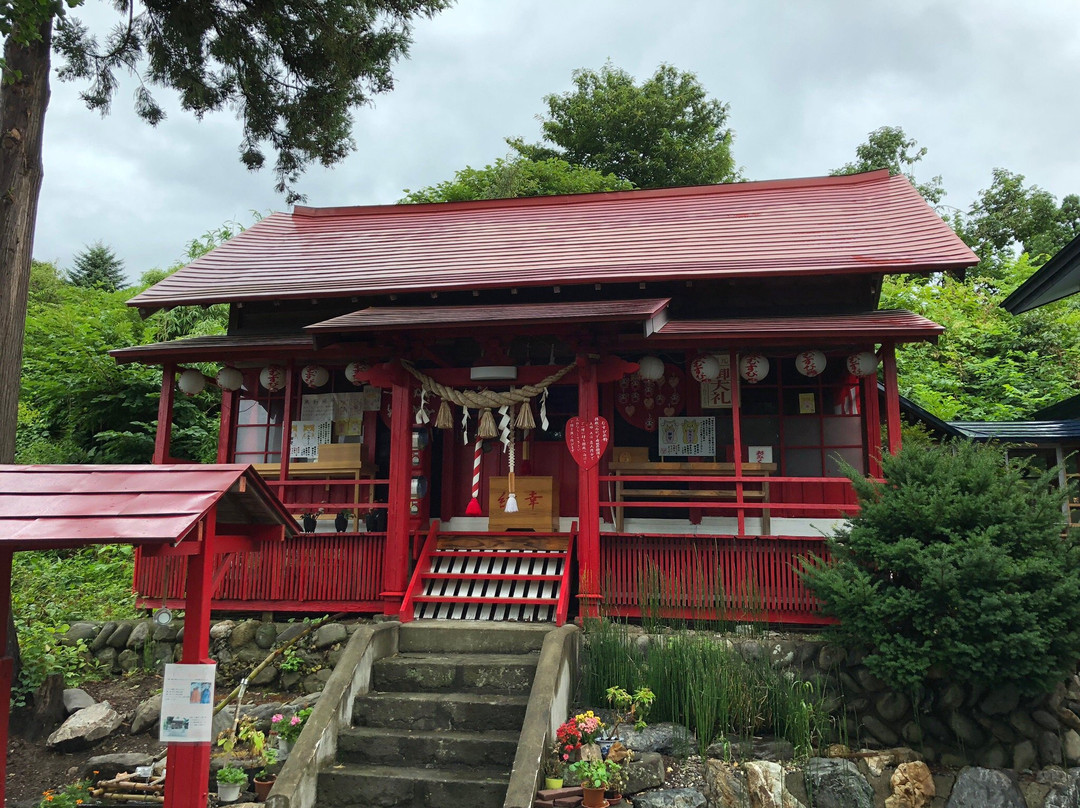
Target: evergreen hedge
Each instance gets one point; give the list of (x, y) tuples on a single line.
[(956, 566)]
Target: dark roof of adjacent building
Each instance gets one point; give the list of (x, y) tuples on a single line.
[(1057, 278), (1020, 431), (858, 224), (1066, 408), (71, 506)]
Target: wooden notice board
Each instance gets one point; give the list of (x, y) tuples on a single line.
[(537, 499)]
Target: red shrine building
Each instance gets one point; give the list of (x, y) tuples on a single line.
[(523, 409)]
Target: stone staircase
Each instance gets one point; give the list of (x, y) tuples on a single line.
[(440, 725)]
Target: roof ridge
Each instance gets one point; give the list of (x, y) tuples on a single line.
[(716, 189)]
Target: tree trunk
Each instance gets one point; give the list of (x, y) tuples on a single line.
[(24, 98)]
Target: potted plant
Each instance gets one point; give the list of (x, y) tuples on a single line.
[(288, 729), (229, 781), (264, 778), (628, 708), (595, 777), (554, 766)]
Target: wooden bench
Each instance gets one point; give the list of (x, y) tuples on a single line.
[(753, 490)]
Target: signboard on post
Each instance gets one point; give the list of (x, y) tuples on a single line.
[(187, 704)]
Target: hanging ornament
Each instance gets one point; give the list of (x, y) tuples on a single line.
[(229, 378), (810, 363), (444, 419), (544, 422), (356, 372), (705, 368), (511, 498), (486, 427), (473, 508), (464, 426), (504, 427), (272, 377), (191, 382), (651, 368), (525, 418), (864, 363), (314, 375), (753, 367)]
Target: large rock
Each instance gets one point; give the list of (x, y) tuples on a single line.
[(243, 634), (330, 634), (86, 632), (985, 788), (912, 786), (1049, 748), (1070, 742), (1065, 795), (665, 738), (219, 631), (85, 727), (265, 635), (725, 785), (106, 767), (837, 784), (76, 699), (765, 782), (139, 635), (646, 770), (147, 715), (118, 639), (671, 798), (1000, 700), (103, 636)]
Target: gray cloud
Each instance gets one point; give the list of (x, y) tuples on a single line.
[(981, 83)]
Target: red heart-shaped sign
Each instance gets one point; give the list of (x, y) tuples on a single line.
[(587, 440)]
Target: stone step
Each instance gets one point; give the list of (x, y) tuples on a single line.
[(439, 748), (445, 711), (354, 785), (511, 674), (456, 637)]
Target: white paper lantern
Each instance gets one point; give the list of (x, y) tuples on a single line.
[(810, 363), (191, 382), (864, 363), (753, 367), (705, 368), (229, 378), (314, 375), (651, 368), (272, 377), (356, 372)]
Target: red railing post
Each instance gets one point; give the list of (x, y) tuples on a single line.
[(588, 500), (892, 396)]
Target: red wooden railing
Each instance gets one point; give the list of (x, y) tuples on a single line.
[(309, 573), (709, 578)]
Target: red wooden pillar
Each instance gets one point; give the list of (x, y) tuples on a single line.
[(226, 427), (871, 415), (892, 396), (7, 664), (189, 763), (396, 555), (588, 501), (736, 434), (165, 414)]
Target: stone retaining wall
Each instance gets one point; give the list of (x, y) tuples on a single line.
[(237, 646)]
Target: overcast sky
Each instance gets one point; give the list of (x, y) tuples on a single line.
[(980, 83)]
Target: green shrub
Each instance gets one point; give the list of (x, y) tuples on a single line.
[(956, 566)]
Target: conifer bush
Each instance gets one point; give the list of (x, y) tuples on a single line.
[(956, 566)]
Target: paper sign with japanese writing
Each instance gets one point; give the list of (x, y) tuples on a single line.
[(692, 437), (717, 394), (187, 704), (305, 439)]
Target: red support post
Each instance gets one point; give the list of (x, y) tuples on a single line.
[(165, 414), (7, 664), (736, 435), (892, 396), (396, 557), (286, 425), (588, 502), (186, 784), (871, 415), (227, 427)]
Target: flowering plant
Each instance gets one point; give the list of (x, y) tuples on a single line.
[(595, 773), (555, 761), (289, 728), (567, 739), (589, 726)]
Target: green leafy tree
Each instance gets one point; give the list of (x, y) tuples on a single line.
[(889, 147), (989, 364), (509, 178), (956, 565), (293, 72), (97, 267), (1009, 217), (665, 132)]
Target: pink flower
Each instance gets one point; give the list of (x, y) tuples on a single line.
[(295, 720), (276, 718)]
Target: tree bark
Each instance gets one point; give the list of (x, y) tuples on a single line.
[(24, 97)]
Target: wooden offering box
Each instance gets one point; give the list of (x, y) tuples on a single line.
[(537, 499)]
